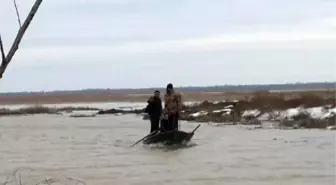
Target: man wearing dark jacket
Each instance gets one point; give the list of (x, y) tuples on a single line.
[(154, 109)]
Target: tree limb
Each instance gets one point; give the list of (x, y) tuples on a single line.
[(17, 13), (3, 56), (19, 36)]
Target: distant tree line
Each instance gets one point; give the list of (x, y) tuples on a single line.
[(190, 89)]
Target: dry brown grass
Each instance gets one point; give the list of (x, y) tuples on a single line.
[(137, 97), (265, 102), (41, 110)]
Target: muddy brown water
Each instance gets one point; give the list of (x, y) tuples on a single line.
[(97, 151)]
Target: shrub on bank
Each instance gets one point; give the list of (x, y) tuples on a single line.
[(28, 110), (38, 110), (41, 110), (263, 106), (309, 122), (69, 109), (269, 106)]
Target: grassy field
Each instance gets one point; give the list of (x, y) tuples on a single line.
[(141, 97)]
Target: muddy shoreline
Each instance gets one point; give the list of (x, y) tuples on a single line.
[(304, 111)]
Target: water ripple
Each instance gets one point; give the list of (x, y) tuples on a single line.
[(98, 152)]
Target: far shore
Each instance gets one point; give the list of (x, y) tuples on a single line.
[(106, 97), (299, 109)]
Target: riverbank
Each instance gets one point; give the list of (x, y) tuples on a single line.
[(301, 116), (42, 110), (304, 111), (307, 110)]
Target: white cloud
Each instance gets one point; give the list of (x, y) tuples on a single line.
[(290, 40), (133, 39)]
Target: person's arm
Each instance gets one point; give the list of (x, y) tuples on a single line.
[(165, 103), (149, 108), (161, 109), (179, 101), (150, 99), (164, 110)]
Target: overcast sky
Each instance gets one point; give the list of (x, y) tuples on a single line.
[(76, 44)]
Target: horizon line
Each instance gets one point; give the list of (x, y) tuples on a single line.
[(177, 87)]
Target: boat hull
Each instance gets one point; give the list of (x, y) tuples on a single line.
[(171, 137)]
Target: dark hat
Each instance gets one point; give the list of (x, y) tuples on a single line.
[(170, 86)]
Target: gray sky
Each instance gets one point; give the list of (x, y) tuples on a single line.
[(76, 44)]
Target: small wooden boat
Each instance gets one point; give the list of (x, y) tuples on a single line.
[(170, 137)]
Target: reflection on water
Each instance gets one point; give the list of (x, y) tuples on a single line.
[(97, 151)]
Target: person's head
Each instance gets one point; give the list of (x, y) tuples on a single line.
[(169, 88), (157, 94)]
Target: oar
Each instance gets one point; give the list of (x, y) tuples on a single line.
[(144, 138), (196, 128)]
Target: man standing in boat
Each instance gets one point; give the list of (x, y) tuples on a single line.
[(172, 108), (154, 109)]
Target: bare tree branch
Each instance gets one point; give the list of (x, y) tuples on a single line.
[(19, 36), (3, 56), (17, 13), (11, 176)]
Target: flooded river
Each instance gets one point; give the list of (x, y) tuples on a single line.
[(97, 151)]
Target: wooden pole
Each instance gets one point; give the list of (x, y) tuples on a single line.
[(18, 38), (151, 134)]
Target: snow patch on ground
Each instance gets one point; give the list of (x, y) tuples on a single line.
[(318, 113), (197, 114), (225, 111), (329, 114), (250, 113), (80, 113), (314, 113), (222, 111)]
